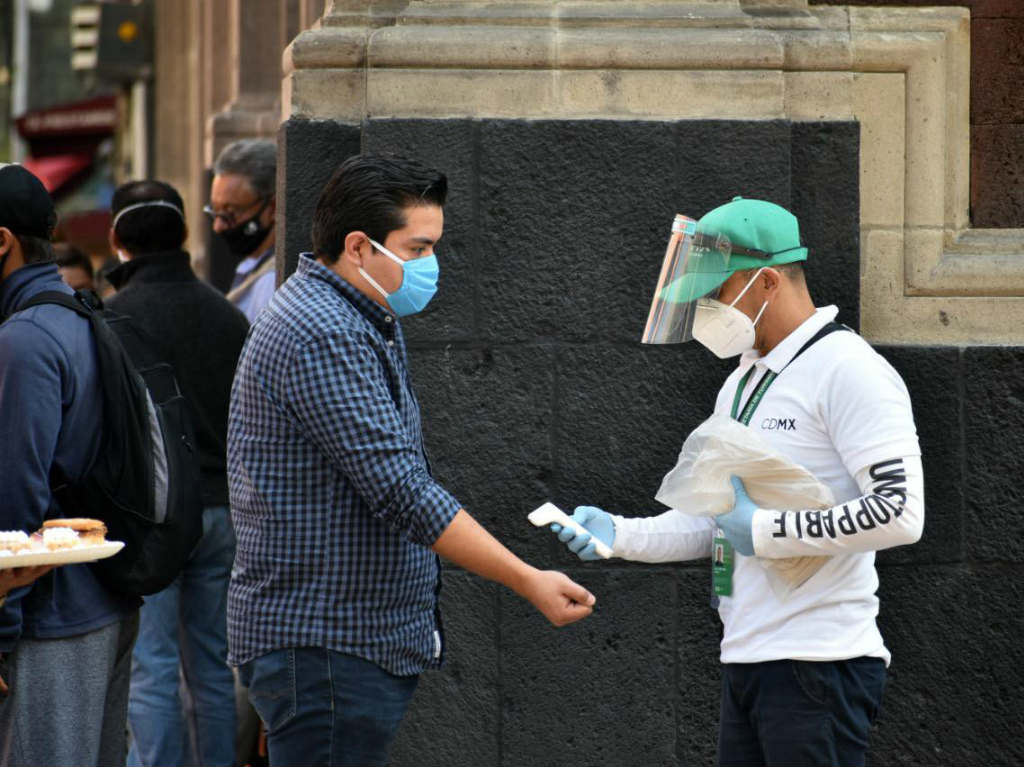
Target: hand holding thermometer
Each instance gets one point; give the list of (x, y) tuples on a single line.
[(549, 513)]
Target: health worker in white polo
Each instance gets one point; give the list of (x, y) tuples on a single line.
[(803, 672)]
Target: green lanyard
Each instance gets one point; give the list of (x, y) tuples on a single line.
[(755, 399), (722, 555)]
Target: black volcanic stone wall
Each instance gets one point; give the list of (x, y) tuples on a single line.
[(534, 387)]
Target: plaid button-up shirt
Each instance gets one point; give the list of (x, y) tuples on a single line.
[(331, 494)]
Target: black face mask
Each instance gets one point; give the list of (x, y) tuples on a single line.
[(244, 238)]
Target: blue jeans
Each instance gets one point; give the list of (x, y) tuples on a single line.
[(322, 707), (185, 627), (798, 713)]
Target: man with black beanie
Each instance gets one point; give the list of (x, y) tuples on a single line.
[(200, 334), (65, 642)]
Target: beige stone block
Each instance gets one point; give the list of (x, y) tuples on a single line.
[(668, 48), (466, 47), (889, 316), (460, 93), (977, 263), (325, 94), (926, 139), (817, 50), (666, 13), (886, 19), (956, 321), (958, 119), (672, 94), (878, 103), (881, 288), (326, 48), (819, 95), (922, 250)]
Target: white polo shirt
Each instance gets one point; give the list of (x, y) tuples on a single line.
[(842, 412)]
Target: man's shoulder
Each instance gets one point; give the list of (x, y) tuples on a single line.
[(848, 351), (174, 298), (42, 329), (313, 308)]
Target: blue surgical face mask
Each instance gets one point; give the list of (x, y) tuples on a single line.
[(419, 282)]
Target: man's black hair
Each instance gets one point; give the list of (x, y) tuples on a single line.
[(795, 271), (35, 250), (67, 255), (367, 193), (153, 228)]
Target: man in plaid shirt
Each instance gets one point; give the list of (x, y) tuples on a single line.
[(333, 603)]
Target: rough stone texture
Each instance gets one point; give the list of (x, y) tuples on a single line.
[(623, 414), (597, 692), (955, 684), (449, 145), (570, 215), (997, 176), (997, 106), (933, 377), (699, 676), (534, 387), (993, 423), (980, 9), (455, 719), (488, 422), (997, 68), (308, 153), (822, 152)]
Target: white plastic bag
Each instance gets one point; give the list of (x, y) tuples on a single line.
[(700, 485)]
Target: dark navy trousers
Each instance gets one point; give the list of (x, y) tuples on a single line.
[(789, 713)]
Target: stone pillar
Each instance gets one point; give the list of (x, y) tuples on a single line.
[(571, 133), (903, 74)]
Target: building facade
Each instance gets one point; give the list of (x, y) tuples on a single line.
[(572, 131)]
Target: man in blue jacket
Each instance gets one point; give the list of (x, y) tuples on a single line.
[(66, 641)]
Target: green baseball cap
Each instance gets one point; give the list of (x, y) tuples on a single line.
[(742, 234)]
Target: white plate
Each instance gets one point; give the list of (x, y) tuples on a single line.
[(61, 556)]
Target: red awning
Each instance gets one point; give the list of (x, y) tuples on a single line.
[(56, 170)]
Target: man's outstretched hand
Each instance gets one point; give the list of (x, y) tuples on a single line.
[(560, 599)]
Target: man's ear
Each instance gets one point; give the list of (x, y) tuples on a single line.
[(6, 240), (356, 244), (9, 246), (771, 280), (113, 240)]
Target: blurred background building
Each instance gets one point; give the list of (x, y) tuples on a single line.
[(93, 94), (572, 131)]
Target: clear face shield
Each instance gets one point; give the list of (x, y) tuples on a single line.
[(695, 266)]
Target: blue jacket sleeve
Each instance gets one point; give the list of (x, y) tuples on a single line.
[(338, 391), (32, 375)]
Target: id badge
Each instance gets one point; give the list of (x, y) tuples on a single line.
[(721, 565)]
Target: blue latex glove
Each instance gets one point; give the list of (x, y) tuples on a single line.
[(600, 525), (738, 524)]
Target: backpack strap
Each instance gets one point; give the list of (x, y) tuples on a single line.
[(83, 305), (80, 303)]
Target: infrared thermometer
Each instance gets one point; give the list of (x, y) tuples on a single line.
[(549, 513)]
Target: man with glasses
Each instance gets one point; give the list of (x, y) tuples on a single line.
[(242, 210)]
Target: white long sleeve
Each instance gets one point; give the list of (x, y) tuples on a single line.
[(669, 537), (889, 513)]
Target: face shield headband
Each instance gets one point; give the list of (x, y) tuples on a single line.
[(695, 266)]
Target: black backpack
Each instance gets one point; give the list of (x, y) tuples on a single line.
[(144, 484)]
